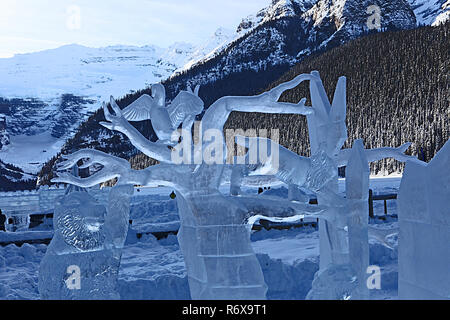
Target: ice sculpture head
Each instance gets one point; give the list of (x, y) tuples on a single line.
[(79, 220), (159, 94)]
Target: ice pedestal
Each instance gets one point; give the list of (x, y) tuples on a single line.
[(424, 223), (83, 258), (357, 191), (98, 276), (216, 245)]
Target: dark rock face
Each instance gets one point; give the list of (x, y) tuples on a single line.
[(287, 31), (32, 116), (4, 138)]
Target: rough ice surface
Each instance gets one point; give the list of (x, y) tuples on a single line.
[(214, 234), (219, 258), (87, 244), (424, 223), (343, 281), (327, 131)]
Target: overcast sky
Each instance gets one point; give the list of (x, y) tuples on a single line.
[(33, 25)]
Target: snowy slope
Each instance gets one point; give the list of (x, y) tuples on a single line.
[(349, 17), (46, 95), (431, 12), (219, 40)]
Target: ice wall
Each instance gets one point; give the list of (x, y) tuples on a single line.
[(424, 223)]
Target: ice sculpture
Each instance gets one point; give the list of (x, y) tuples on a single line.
[(424, 224), (83, 258), (214, 234), (328, 132), (357, 175), (165, 121), (347, 280)]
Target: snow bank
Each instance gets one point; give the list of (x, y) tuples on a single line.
[(152, 269)]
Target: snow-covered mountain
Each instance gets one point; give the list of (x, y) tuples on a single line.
[(330, 21), (431, 12), (46, 95), (219, 40), (288, 30)]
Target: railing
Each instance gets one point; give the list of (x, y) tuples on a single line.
[(35, 219), (383, 197)]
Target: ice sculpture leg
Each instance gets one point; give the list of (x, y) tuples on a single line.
[(118, 218), (83, 258), (216, 245), (424, 224), (327, 130), (357, 190), (345, 277)]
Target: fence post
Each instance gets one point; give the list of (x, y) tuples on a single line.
[(370, 203)]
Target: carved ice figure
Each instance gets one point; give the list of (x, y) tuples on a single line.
[(348, 280), (424, 224), (165, 120), (318, 174), (214, 235), (83, 258), (327, 131)]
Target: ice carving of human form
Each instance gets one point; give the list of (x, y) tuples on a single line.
[(214, 235), (83, 258)]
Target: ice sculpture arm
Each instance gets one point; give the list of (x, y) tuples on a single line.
[(309, 173), (118, 122), (379, 154), (267, 102), (113, 167)]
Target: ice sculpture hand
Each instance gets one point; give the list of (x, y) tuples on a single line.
[(113, 167), (116, 122)]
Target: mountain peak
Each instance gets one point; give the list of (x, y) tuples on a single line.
[(431, 12), (276, 10)]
